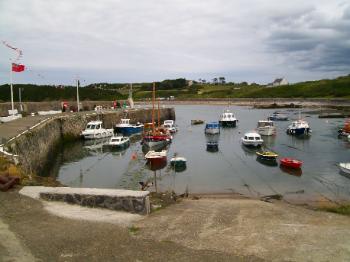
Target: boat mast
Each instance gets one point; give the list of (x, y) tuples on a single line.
[(153, 98), (158, 114)]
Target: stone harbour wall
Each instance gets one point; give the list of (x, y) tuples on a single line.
[(38, 145)]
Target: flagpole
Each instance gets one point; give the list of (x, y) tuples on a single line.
[(12, 105), (78, 107)]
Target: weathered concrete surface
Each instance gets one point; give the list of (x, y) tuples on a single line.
[(36, 146), (11, 248), (275, 232), (113, 199), (51, 238)]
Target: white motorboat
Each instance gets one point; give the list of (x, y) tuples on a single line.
[(266, 127), (252, 139), (170, 126), (228, 119), (94, 130), (118, 142), (345, 167)]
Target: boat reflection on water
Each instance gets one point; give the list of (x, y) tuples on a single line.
[(95, 145), (249, 150), (291, 171), (212, 144), (267, 162), (154, 166)]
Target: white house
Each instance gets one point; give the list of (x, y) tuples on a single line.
[(278, 82)]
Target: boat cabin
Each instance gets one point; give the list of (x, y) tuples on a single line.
[(212, 125), (93, 125), (265, 123), (125, 121), (252, 137), (168, 123), (227, 116)]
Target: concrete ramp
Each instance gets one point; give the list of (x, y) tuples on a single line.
[(113, 199)]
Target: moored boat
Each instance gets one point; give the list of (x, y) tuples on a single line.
[(155, 158), (345, 130), (345, 167), (266, 127), (212, 146), (252, 139), (94, 130), (278, 116), (197, 122), (178, 161), (170, 126), (299, 127), (212, 128), (267, 155), (118, 142), (290, 162), (127, 129), (228, 119)]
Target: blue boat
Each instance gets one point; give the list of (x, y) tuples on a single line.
[(212, 128), (127, 129), (299, 127)]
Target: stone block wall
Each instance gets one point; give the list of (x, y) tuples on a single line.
[(134, 202)]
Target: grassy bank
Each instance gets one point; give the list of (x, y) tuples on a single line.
[(326, 88)]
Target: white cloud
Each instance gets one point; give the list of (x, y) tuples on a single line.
[(116, 41)]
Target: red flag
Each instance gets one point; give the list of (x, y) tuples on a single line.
[(17, 67)]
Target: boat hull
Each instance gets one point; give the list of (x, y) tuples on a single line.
[(266, 131), (250, 143), (127, 131), (212, 131), (98, 135), (155, 145), (291, 163), (225, 123), (344, 169), (298, 131)]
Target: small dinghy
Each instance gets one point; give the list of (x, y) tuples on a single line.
[(178, 163), (197, 122), (291, 163), (345, 167), (267, 155)]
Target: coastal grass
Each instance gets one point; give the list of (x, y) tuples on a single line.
[(342, 209)]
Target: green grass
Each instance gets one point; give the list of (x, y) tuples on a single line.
[(343, 210)]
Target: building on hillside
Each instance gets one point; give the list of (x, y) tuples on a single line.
[(189, 82), (278, 82)]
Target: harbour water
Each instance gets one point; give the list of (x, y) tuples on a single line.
[(233, 169)]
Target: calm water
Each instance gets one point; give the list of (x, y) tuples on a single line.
[(233, 169)]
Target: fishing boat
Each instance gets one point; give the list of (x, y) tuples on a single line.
[(94, 130), (345, 130), (290, 162), (228, 119), (299, 127), (127, 129), (267, 155), (266, 127), (118, 142), (252, 139), (156, 137), (278, 116), (212, 128), (345, 167)]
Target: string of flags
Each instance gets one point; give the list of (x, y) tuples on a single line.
[(16, 67)]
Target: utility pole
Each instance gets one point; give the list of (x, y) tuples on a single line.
[(20, 99)]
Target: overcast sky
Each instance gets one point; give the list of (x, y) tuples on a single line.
[(152, 40)]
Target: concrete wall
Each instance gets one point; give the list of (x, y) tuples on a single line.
[(37, 146)]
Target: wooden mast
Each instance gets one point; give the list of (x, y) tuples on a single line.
[(158, 114), (153, 98)]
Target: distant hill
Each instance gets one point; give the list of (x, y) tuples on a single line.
[(326, 88)]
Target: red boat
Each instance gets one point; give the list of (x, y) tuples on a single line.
[(290, 162)]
